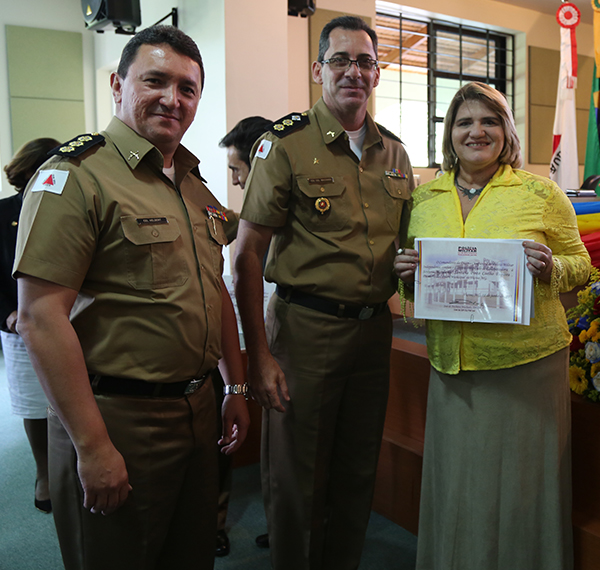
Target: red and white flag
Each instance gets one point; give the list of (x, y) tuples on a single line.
[(564, 166)]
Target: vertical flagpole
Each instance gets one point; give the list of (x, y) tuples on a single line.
[(592, 149), (564, 166)]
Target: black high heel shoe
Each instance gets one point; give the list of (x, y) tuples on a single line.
[(44, 506)]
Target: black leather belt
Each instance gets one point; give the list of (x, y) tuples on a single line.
[(342, 310), (131, 387)]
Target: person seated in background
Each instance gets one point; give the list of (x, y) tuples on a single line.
[(238, 142), (26, 395), (496, 487)]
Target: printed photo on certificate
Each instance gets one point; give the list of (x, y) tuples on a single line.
[(473, 280)]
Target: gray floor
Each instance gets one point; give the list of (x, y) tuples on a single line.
[(28, 540)]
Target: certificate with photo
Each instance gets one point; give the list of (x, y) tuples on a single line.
[(473, 280)]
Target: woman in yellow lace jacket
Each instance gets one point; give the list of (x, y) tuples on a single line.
[(496, 470)]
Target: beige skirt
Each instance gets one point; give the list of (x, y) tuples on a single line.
[(496, 490)]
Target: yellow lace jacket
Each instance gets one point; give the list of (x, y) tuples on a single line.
[(515, 204)]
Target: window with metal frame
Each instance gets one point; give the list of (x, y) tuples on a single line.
[(423, 63)]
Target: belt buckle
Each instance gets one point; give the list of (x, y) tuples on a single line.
[(194, 385), (365, 313)]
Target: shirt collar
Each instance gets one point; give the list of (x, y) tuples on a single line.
[(135, 148), (331, 129)]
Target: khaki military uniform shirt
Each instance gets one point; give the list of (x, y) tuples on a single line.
[(143, 253), (335, 217)]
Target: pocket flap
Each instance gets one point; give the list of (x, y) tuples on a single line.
[(397, 187), (335, 188), (145, 234), (216, 231)]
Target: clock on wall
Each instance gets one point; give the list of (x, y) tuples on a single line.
[(123, 14)]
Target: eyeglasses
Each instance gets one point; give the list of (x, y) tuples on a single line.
[(339, 63)]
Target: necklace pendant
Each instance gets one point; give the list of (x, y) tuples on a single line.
[(473, 190)]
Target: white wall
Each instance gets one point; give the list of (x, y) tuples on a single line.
[(257, 67), (64, 15)]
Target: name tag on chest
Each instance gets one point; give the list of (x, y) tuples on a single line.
[(151, 221)]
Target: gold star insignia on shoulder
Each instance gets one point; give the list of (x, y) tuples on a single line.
[(332, 133), (316, 161), (78, 145), (289, 124)]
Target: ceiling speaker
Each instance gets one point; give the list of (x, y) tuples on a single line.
[(302, 8), (124, 14)]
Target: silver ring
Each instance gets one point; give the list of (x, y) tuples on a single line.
[(400, 251)]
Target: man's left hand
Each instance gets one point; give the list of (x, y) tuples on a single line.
[(235, 420)]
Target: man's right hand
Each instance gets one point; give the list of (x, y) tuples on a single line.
[(104, 479), (267, 384)]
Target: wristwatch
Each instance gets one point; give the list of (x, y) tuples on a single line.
[(237, 389)]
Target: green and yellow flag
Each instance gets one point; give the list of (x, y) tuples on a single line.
[(592, 149)]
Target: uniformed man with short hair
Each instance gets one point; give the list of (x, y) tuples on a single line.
[(329, 190), (239, 142), (122, 308)]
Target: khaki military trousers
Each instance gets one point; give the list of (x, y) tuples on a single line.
[(169, 518), (319, 457)]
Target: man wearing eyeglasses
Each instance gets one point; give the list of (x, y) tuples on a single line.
[(329, 188)]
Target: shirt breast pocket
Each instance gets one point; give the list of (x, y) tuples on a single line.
[(322, 207), (217, 239), (396, 193), (154, 256)]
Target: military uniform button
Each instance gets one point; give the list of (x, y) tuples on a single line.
[(371, 242), (366, 205), (155, 233), (360, 169)]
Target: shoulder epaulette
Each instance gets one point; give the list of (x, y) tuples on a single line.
[(289, 123), (388, 133), (78, 145)]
